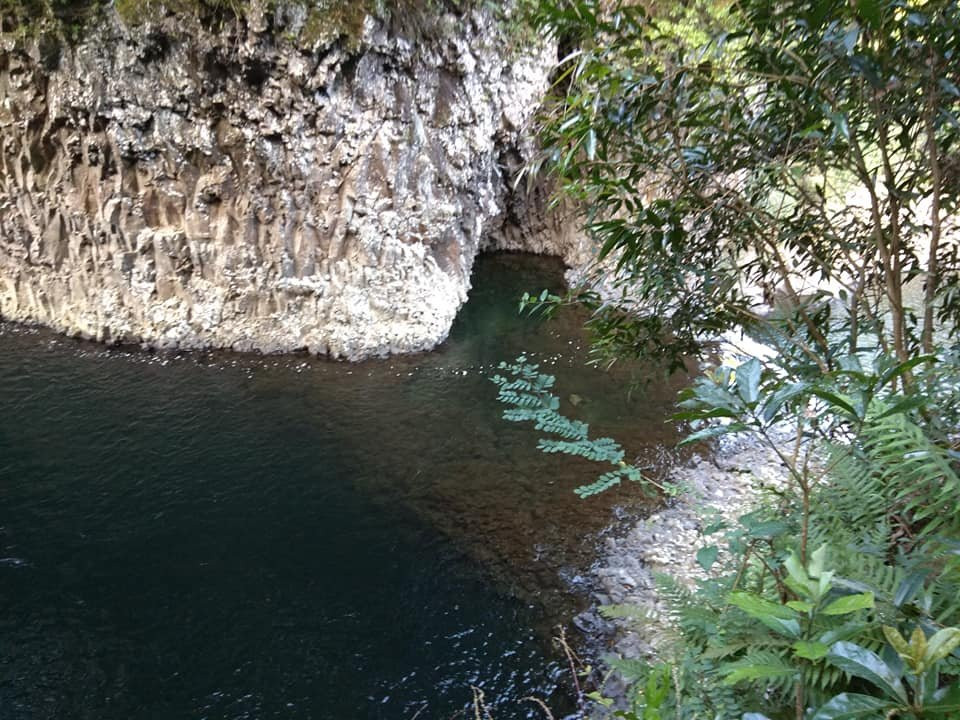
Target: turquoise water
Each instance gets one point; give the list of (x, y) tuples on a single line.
[(205, 535)]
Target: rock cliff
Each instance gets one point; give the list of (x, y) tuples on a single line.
[(180, 187)]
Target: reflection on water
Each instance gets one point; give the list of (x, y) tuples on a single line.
[(222, 536)]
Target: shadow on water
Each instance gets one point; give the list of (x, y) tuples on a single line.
[(222, 536)]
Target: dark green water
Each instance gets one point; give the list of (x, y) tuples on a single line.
[(221, 536)]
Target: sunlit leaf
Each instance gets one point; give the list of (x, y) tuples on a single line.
[(867, 665)]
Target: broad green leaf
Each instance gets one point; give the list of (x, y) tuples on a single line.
[(824, 582), (796, 570), (849, 630), (800, 606), (867, 665), (755, 605), (778, 618), (707, 556), (942, 643), (781, 396), (810, 650), (800, 582), (851, 706), (818, 13), (849, 603), (715, 527), (909, 586), (747, 380), (870, 11), (945, 700), (818, 561)]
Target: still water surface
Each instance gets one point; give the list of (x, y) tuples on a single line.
[(205, 535)]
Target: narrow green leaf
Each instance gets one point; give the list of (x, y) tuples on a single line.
[(905, 367), (897, 641), (747, 379), (712, 432), (835, 400), (758, 671)]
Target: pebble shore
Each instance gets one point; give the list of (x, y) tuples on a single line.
[(723, 486)]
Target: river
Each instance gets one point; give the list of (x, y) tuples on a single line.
[(207, 535)]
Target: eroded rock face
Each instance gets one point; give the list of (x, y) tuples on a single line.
[(184, 188)]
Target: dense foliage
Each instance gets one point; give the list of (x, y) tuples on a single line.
[(807, 157), (787, 170)]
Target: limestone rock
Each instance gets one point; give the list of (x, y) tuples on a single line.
[(184, 188)]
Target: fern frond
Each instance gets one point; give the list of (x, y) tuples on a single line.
[(767, 667), (599, 450), (631, 669), (852, 505), (918, 473), (528, 393)]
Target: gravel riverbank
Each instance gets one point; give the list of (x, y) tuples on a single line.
[(724, 485)]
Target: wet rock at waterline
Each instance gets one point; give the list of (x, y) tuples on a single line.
[(180, 187)]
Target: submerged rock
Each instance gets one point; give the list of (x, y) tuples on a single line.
[(183, 187)]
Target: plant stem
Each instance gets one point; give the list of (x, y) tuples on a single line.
[(933, 271)]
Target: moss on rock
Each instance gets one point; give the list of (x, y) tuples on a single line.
[(325, 21)]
